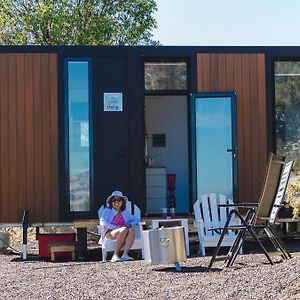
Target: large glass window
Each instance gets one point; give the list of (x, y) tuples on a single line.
[(164, 76), (79, 145), (287, 110)]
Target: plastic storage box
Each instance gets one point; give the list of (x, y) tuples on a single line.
[(46, 238)]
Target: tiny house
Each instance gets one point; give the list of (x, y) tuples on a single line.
[(164, 125)]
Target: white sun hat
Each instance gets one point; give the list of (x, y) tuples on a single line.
[(116, 194)]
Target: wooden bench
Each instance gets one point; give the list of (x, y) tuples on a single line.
[(61, 247)]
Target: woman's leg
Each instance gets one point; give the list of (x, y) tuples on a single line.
[(119, 235), (120, 240), (129, 241)]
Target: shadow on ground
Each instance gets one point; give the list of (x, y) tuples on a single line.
[(198, 269)]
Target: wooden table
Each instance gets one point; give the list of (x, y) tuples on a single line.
[(171, 223), (285, 222), (81, 229)]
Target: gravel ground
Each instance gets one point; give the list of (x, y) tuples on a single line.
[(250, 278)]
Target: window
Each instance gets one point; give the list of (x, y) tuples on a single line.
[(79, 145), (164, 76), (287, 110)]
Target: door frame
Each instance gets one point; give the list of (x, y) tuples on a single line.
[(193, 166), (187, 209)]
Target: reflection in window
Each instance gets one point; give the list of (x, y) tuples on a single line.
[(79, 147), (287, 110), (165, 76), (213, 138), (84, 134)]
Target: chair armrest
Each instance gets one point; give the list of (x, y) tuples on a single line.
[(244, 204), (198, 221), (99, 228), (142, 226), (230, 227), (138, 230)]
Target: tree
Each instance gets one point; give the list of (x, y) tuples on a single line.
[(77, 22)]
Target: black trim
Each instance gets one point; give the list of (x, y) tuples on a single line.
[(192, 151), (270, 105), (271, 125), (153, 52)]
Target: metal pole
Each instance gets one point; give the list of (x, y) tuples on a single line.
[(25, 227)]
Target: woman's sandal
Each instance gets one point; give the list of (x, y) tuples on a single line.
[(126, 258)]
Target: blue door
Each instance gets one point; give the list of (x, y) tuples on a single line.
[(214, 144)]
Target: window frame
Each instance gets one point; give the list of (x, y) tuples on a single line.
[(68, 212), (274, 61), (182, 59)]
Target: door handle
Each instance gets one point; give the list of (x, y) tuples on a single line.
[(233, 150)]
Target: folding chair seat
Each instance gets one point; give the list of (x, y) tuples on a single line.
[(261, 215)]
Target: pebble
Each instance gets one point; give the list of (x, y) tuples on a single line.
[(250, 278)]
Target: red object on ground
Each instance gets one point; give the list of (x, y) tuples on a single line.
[(48, 238), (171, 179)]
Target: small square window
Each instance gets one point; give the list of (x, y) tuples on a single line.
[(164, 76)]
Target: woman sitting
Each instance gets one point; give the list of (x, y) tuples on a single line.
[(118, 224)]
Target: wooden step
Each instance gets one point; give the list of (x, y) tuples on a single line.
[(61, 247)]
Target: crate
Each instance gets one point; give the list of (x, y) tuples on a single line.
[(56, 248), (49, 238)]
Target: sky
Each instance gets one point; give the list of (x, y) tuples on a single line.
[(228, 22)]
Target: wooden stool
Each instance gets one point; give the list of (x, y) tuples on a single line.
[(61, 247)]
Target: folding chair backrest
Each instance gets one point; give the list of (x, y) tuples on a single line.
[(270, 186), (206, 209), (281, 191)]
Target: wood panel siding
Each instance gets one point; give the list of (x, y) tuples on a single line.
[(29, 137), (245, 75)]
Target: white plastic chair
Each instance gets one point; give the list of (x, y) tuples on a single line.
[(209, 215), (109, 245)]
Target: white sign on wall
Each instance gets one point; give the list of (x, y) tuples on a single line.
[(113, 101)]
